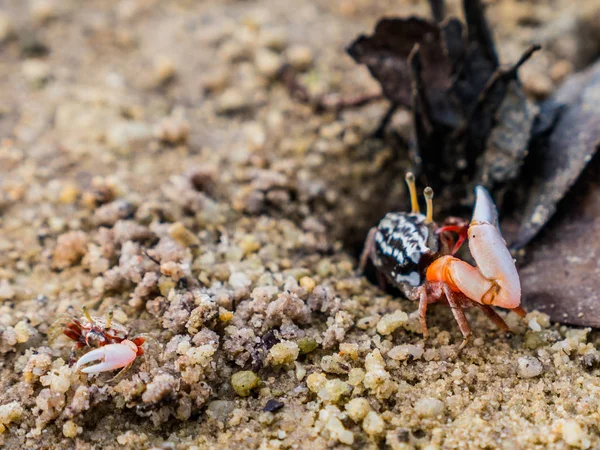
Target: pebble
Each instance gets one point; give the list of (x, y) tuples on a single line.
[(215, 81), (373, 424), (284, 352), (267, 63), (126, 136), (429, 407), (43, 10), (529, 367), (239, 280), (70, 429), (164, 70), (233, 100), (390, 322), (6, 290), (575, 435), (245, 381), (9, 413), (173, 130), (358, 408), (35, 71), (300, 57)]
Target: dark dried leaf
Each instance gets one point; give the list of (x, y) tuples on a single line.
[(501, 124), (555, 164), (471, 117), (562, 277), (386, 53)]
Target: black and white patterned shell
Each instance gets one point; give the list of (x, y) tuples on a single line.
[(404, 246)]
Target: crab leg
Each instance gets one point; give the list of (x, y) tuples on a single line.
[(112, 356), (495, 280)]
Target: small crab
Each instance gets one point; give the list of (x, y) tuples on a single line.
[(114, 349), (416, 256)]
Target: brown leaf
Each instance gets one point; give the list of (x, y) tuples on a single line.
[(556, 164), (386, 53), (562, 277)]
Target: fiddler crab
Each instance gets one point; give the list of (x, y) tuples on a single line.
[(413, 254), (114, 349)]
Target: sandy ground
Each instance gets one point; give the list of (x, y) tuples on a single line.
[(152, 163)]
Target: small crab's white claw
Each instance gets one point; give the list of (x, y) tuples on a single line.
[(112, 356), (485, 208)]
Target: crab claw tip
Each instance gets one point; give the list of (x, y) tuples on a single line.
[(111, 357), (485, 208)]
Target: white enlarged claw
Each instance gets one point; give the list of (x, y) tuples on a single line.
[(112, 356)]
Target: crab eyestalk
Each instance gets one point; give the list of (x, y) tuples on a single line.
[(428, 194), (109, 318), (412, 188), (87, 315)]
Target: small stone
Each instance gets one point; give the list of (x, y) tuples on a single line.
[(239, 280), (307, 283), (126, 136), (534, 325), (9, 413), (307, 345), (300, 57), (574, 435), (43, 10), (233, 101), (373, 424), (330, 416), (316, 381), (220, 409), (71, 429), (35, 71), (333, 390), (164, 70), (529, 367), (182, 235), (284, 352), (429, 407), (356, 376), (6, 290), (273, 405), (216, 81), (267, 63), (358, 408), (388, 323), (68, 194), (173, 130), (245, 381), (403, 352)]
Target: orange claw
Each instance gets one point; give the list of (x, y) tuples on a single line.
[(494, 281)]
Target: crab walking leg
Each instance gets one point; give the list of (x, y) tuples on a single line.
[(367, 252), (459, 315), (112, 356), (493, 316)]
